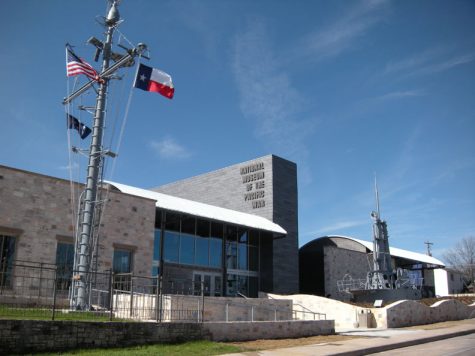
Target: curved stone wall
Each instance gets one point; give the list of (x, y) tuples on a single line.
[(398, 314)]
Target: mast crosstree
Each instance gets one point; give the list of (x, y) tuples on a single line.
[(90, 206)]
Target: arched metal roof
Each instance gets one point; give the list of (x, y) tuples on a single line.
[(394, 251)]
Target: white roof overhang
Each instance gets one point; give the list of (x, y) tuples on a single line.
[(171, 203), (397, 252)]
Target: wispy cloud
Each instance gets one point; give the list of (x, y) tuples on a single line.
[(72, 166), (168, 148), (267, 94), (429, 61), (337, 227), (399, 95), (342, 35)]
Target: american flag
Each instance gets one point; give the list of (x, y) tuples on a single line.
[(75, 65)]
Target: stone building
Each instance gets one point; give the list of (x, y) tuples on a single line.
[(233, 230), (328, 260)]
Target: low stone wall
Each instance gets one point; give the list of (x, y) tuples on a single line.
[(242, 331), (398, 314), (25, 336), (31, 336), (345, 315), (215, 308), (408, 312)]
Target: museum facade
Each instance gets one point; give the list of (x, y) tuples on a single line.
[(233, 230)]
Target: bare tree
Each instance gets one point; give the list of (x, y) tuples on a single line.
[(461, 257)]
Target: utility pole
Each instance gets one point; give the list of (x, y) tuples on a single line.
[(429, 244), (80, 296)]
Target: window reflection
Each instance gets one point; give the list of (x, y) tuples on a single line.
[(199, 242), (187, 249), (231, 255), (215, 252), (122, 261), (171, 246), (64, 264), (202, 251), (242, 256)]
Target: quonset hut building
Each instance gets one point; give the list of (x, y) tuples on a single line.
[(235, 229), (329, 260)]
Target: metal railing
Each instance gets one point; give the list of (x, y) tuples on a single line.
[(304, 312), (43, 291)]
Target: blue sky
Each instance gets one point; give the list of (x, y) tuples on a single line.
[(343, 88)]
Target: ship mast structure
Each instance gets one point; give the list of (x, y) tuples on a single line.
[(382, 275), (83, 269)]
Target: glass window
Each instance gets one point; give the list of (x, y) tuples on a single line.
[(202, 228), (231, 285), (207, 285), (217, 286), (171, 246), (242, 235), (242, 285), (156, 252), (188, 225), (158, 219), (253, 287), (217, 230), (231, 255), (197, 284), (253, 258), (64, 264), (172, 222), (7, 252), (231, 233), (254, 237), (202, 251), (215, 252), (187, 249), (156, 245), (122, 261), (242, 254), (216, 244)]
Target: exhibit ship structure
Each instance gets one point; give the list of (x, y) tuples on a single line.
[(383, 282), (91, 202)]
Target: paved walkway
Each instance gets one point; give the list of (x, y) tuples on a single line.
[(374, 340)]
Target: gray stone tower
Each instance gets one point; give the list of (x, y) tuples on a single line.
[(265, 186)]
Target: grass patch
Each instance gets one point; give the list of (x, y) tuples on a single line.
[(46, 314), (191, 348)]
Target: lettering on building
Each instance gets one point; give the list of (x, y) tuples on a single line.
[(253, 178)]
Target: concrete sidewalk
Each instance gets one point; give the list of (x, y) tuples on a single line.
[(374, 340)]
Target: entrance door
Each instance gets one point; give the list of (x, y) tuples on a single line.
[(212, 283)]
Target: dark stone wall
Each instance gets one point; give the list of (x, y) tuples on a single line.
[(28, 336)]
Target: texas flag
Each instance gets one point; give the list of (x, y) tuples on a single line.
[(152, 79)]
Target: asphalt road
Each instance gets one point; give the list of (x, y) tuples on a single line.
[(457, 346)]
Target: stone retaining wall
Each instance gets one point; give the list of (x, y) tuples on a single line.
[(31, 336), (242, 331), (408, 312), (398, 314), (25, 336)]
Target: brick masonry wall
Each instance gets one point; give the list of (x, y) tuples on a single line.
[(225, 188), (36, 209)]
